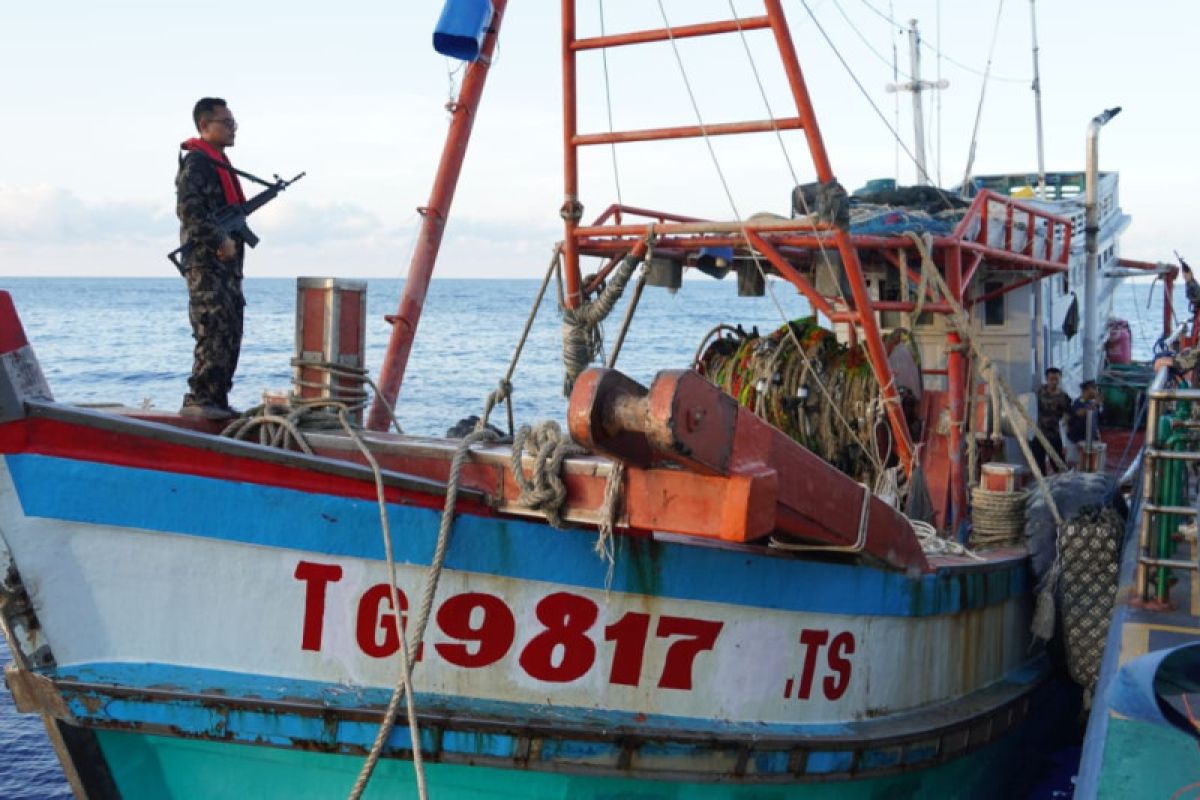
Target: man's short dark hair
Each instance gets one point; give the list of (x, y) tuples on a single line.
[(1087, 385), (1054, 370), (204, 109)]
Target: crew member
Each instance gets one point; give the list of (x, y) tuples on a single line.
[(1053, 404), (204, 185), (1088, 402)]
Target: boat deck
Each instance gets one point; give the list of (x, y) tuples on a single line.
[(1125, 757)]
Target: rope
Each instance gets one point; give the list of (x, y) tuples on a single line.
[(638, 288), (610, 512), (934, 545), (548, 446), (580, 332), (503, 391), (408, 648), (863, 90), (997, 518), (803, 382), (864, 513)]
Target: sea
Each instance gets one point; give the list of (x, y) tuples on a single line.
[(128, 341)]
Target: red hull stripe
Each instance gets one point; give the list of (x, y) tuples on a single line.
[(83, 443)]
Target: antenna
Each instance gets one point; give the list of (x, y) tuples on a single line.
[(916, 86)]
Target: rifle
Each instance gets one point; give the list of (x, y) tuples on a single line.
[(231, 220)]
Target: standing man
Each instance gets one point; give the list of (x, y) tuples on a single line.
[(204, 185), (1081, 409), (1053, 404)]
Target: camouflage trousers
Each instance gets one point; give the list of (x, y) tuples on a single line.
[(215, 304)]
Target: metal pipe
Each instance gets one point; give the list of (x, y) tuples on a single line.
[(433, 225), (663, 34), (1092, 232), (956, 385), (1160, 380), (1037, 103), (572, 209), (914, 47), (688, 131)]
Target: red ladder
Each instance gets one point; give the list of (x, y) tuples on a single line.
[(862, 316)]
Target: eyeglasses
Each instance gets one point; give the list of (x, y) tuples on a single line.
[(228, 122)]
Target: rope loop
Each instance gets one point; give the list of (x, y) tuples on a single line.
[(545, 491)]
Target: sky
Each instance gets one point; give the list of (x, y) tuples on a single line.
[(97, 97)]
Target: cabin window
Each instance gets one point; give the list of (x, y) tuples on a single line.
[(993, 307)]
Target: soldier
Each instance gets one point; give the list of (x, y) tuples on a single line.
[(1053, 404), (214, 265)]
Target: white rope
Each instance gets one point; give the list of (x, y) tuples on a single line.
[(864, 513), (408, 649)]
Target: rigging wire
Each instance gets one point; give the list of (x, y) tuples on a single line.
[(889, 19), (896, 96), (982, 94), (872, 103), (609, 105), (866, 43), (874, 457)]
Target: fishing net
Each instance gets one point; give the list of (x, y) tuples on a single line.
[(822, 393), (1090, 544)]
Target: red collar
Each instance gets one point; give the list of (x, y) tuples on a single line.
[(230, 184)]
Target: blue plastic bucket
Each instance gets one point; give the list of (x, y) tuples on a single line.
[(461, 28)]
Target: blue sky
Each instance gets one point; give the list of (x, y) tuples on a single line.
[(98, 96)]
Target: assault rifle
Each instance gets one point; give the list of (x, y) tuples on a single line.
[(231, 220)]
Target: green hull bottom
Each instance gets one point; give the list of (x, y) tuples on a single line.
[(159, 767), (1144, 760)]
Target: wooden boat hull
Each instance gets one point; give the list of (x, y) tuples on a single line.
[(182, 595)]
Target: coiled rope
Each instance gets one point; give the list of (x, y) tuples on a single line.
[(997, 518), (581, 338)]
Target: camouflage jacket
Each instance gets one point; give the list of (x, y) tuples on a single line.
[(198, 196)]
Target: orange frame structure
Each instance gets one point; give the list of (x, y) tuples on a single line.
[(786, 246)]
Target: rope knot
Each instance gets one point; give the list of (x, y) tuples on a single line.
[(545, 491)]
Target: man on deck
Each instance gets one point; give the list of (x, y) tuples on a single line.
[(1081, 409), (204, 185), (1053, 404)]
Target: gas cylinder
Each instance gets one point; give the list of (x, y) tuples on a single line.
[(1119, 345)]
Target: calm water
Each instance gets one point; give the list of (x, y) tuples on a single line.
[(104, 340)]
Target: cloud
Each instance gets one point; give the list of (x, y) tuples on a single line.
[(53, 214)]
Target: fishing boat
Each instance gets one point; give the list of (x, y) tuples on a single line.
[(689, 592)]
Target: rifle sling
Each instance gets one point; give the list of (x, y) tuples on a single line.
[(229, 168)]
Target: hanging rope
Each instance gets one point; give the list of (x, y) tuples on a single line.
[(408, 648), (581, 326)]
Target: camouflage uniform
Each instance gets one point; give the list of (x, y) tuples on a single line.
[(215, 300)]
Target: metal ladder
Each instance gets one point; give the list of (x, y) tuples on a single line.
[(1156, 556)]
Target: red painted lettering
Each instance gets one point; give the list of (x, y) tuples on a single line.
[(813, 641), (629, 633), (563, 652), (699, 635), (835, 685), (375, 614), (317, 578), (492, 634)]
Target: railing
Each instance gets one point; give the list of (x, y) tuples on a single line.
[(1052, 230), (1164, 499)]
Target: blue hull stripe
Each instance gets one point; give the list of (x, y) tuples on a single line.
[(172, 503), (192, 718)]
